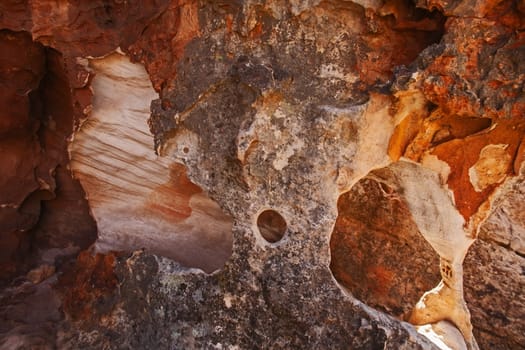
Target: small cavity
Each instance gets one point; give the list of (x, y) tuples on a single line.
[(272, 225)]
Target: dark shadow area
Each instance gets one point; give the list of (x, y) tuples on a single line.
[(272, 226), (377, 252)]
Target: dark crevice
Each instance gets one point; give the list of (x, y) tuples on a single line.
[(56, 214)]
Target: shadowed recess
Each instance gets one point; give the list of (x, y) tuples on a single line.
[(272, 225)]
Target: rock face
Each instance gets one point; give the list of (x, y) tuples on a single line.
[(262, 174), (366, 249), (35, 186), (138, 199)]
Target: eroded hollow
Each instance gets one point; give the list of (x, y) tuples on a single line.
[(140, 200), (272, 225), (377, 251), (44, 218)]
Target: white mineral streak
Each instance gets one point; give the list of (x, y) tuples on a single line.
[(438, 220), (431, 203), (369, 150), (133, 198), (376, 128), (228, 300), (444, 335), (333, 71), (433, 210)]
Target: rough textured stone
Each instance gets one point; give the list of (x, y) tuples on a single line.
[(493, 270), (385, 137), (498, 320)]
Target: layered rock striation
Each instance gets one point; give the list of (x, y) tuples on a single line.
[(262, 174)]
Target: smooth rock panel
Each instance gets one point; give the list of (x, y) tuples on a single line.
[(138, 199)]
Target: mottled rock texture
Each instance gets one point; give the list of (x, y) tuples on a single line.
[(325, 163)]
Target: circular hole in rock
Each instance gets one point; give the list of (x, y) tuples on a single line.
[(272, 225)]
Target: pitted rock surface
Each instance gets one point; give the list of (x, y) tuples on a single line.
[(386, 136)]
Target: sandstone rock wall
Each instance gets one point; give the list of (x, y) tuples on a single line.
[(262, 174)]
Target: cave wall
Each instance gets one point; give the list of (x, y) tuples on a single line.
[(262, 174), (138, 199), (36, 184)]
